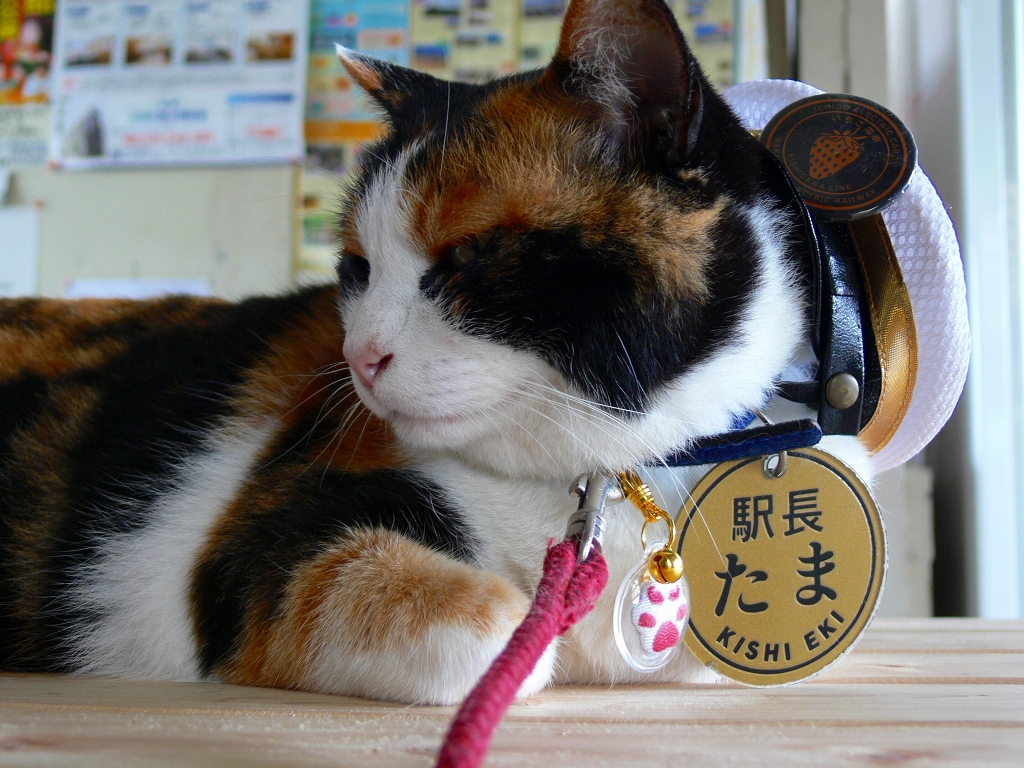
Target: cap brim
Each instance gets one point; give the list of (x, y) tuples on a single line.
[(926, 248)]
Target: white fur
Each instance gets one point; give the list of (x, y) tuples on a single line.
[(440, 668), (600, 51), (139, 583)]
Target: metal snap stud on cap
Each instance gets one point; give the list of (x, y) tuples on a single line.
[(842, 391)]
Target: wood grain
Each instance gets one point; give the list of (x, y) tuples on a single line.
[(913, 693)]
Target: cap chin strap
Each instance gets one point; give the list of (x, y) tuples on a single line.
[(848, 384)]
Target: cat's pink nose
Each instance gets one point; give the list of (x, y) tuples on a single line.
[(367, 363)]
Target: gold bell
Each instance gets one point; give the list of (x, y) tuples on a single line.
[(665, 565)]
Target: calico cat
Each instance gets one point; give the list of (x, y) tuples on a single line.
[(350, 489)]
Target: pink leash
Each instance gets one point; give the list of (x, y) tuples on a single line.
[(566, 593)]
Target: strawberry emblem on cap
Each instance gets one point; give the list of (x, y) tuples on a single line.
[(831, 153)]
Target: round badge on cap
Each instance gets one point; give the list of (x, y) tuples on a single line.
[(848, 156)]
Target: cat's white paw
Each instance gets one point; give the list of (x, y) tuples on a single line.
[(542, 674), (383, 617)]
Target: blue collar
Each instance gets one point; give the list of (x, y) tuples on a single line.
[(743, 441)]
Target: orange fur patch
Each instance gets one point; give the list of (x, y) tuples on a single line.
[(50, 337), (367, 78), (522, 174), (368, 594)]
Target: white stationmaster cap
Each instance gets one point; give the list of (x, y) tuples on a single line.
[(917, 301)]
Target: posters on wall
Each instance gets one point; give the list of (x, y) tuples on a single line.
[(751, 41), (335, 109), (316, 212), (538, 31), (26, 45), (709, 27), (141, 82), (339, 119), (469, 40)]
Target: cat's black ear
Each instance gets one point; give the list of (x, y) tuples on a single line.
[(408, 98), (629, 58)]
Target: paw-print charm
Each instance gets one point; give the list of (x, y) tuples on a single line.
[(650, 617), (659, 615)]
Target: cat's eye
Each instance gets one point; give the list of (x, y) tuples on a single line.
[(353, 268), (462, 254)]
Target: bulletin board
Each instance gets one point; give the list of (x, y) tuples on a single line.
[(145, 82)]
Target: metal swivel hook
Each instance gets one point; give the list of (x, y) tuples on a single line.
[(586, 526)]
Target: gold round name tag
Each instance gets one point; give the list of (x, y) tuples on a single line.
[(784, 572)]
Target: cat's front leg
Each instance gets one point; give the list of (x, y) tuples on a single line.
[(379, 615)]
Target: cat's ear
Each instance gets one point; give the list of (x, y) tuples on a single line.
[(629, 59), (407, 97)]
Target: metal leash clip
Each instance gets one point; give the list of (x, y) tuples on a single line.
[(586, 526)]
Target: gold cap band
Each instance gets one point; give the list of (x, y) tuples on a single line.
[(892, 320)]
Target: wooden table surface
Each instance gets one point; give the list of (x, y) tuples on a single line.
[(913, 693)]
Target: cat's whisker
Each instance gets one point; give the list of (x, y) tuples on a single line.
[(589, 448), (571, 431), (350, 416), (359, 439), (331, 367), (343, 388), (444, 140), (577, 415), (685, 492), (344, 424), (632, 368), (338, 384), (547, 386), (594, 418), (381, 159), (620, 426), (345, 381), (510, 444), (588, 406), (598, 407)]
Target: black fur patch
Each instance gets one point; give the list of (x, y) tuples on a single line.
[(20, 401), (593, 312), (353, 274)]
